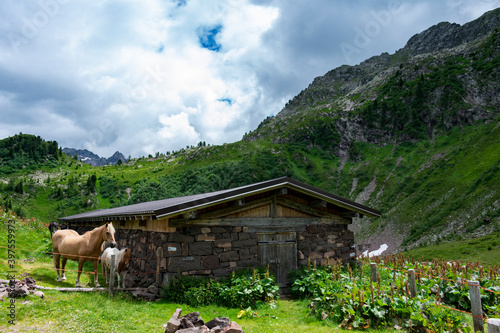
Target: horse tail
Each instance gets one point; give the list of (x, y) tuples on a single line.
[(53, 227)]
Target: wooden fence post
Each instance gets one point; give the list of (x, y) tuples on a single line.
[(493, 325), (112, 275), (477, 308), (412, 283), (159, 255), (373, 267)]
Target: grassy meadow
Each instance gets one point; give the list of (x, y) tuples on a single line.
[(98, 312), (484, 249)]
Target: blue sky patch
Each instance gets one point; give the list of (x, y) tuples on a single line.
[(207, 37), (226, 100), (180, 3)]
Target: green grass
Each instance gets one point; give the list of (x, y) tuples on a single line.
[(98, 312), (485, 249)]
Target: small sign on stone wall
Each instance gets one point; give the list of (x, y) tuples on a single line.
[(172, 249)]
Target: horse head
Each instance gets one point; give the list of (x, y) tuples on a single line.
[(110, 234), (126, 258)]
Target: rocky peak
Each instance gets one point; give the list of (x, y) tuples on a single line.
[(447, 35), (90, 158), (116, 157)]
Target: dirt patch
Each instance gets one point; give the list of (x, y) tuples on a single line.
[(431, 161), (400, 158), (387, 235), (367, 191), (354, 184)]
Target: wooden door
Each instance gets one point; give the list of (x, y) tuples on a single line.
[(279, 251)]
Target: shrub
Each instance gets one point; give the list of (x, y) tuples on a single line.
[(347, 296), (177, 290), (242, 289), (248, 288)]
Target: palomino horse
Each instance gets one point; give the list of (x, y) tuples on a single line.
[(87, 247), (122, 262)]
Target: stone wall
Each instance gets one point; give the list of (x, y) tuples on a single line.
[(209, 251), (322, 242), (217, 251)]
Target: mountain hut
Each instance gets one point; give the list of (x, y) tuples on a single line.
[(281, 222)]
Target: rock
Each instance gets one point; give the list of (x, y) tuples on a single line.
[(173, 325), (201, 329), (39, 294), (4, 295), (29, 282), (216, 329), (19, 290), (192, 317), (192, 323), (233, 328), (185, 323), (144, 294), (199, 323), (153, 289), (222, 322), (177, 313)]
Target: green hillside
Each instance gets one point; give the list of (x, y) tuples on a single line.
[(428, 191)]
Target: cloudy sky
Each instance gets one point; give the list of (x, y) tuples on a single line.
[(147, 76)]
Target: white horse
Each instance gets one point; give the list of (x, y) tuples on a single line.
[(122, 261)]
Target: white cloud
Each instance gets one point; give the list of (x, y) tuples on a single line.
[(132, 76), (177, 127)]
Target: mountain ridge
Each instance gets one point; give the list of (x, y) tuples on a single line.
[(445, 35), (93, 159), (346, 88)]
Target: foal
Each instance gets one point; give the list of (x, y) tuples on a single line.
[(122, 261)]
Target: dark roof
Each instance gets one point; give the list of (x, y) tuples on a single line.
[(176, 206)]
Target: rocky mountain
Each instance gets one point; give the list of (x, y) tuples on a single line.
[(444, 77), (375, 116), (90, 158)]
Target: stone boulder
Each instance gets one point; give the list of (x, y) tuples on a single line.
[(192, 323), (16, 288)]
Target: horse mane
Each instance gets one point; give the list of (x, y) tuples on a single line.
[(102, 226), (105, 245)]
